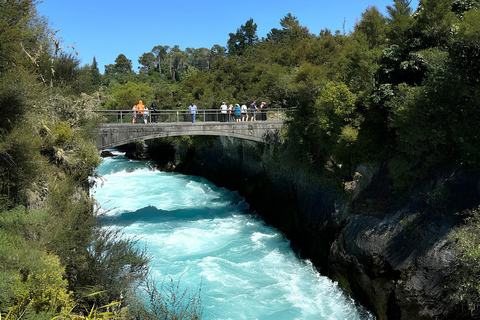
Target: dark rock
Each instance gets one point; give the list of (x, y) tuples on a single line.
[(106, 154), (395, 258)]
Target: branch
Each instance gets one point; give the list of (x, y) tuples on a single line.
[(34, 61)]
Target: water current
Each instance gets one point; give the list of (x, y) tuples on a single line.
[(208, 237)]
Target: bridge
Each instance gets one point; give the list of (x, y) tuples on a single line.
[(117, 128)]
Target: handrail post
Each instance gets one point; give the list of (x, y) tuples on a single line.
[(177, 117)]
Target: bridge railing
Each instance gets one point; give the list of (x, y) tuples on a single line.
[(202, 115)]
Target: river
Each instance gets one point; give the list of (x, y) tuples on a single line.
[(208, 238)]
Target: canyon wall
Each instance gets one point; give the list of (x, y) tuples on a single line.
[(394, 258)]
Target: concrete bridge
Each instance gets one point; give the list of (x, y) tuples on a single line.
[(117, 129), (110, 135)]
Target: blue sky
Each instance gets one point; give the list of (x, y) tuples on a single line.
[(107, 28)]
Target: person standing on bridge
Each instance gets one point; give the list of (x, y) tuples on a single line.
[(193, 111), (145, 115), (243, 110), (134, 113), (224, 108), (153, 111), (263, 111), (238, 112), (230, 108), (141, 109), (253, 110)]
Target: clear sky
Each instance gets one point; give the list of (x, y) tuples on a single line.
[(107, 28)]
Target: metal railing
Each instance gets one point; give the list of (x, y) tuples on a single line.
[(202, 115)]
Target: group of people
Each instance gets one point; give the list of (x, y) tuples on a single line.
[(142, 110), (242, 113), (229, 113)]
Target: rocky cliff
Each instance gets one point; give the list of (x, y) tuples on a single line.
[(394, 258)]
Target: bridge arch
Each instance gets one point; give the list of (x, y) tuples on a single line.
[(111, 135)]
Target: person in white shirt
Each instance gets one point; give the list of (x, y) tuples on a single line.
[(230, 109), (224, 108), (193, 111), (145, 115), (243, 110)]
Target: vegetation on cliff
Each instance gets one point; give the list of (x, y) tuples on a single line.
[(53, 252), (400, 91)]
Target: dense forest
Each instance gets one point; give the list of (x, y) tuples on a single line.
[(401, 91)]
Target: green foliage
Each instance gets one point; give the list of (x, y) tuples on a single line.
[(373, 27), (128, 94), (46, 159), (66, 71), (20, 31), (245, 37), (166, 300), (319, 126), (116, 264), (401, 21), (400, 91), (122, 66), (435, 20), (12, 106), (466, 281), (31, 280), (402, 63), (96, 77), (460, 6), (291, 31)]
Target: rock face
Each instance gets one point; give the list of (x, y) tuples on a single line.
[(394, 259)]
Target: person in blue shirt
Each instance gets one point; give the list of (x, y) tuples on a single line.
[(193, 111), (238, 113)]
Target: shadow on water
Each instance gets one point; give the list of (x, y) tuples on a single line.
[(152, 214)]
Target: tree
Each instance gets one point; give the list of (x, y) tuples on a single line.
[(435, 20), (66, 70), (245, 37), (95, 73), (122, 66), (128, 94), (461, 6), (177, 62), (291, 29), (400, 22), (147, 62), (373, 27), (160, 55), (217, 53), (21, 33)]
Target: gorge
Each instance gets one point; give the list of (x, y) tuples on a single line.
[(392, 257)]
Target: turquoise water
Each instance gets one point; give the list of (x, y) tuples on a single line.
[(202, 234)]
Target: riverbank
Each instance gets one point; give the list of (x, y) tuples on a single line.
[(395, 258)]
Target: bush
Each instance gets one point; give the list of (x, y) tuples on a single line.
[(466, 281)]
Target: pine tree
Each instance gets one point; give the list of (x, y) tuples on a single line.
[(95, 73)]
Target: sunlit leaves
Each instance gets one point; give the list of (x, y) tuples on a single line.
[(128, 94), (30, 278)]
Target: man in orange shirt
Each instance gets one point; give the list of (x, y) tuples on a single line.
[(140, 108)]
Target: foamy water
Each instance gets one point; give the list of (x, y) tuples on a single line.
[(206, 235)]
